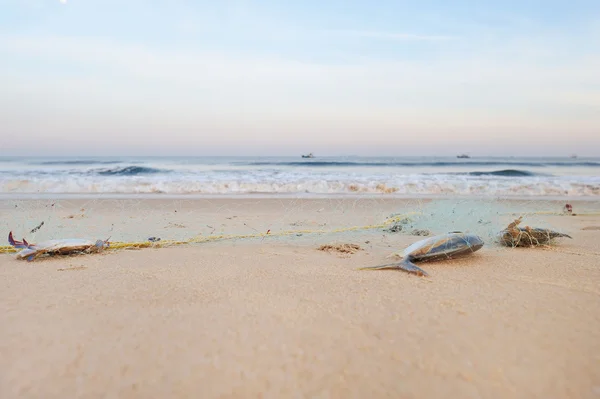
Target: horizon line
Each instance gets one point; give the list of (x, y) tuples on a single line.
[(570, 156)]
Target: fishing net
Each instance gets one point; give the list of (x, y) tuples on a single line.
[(143, 222)]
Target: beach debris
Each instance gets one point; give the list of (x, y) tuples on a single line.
[(398, 225), (568, 209), (39, 226), (443, 246), (514, 236), (340, 248), (266, 234), (64, 246), (420, 232), (74, 216), (153, 239), (403, 223), (395, 228)]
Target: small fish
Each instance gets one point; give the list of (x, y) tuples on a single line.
[(444, 246), (513, 236)]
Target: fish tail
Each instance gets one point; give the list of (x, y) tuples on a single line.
[(16, 243), (559, 235), (404, 264)]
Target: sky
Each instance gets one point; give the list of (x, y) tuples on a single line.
[(266, 77)]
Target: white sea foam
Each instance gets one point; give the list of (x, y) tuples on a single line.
[(236, 176), (431, 185)]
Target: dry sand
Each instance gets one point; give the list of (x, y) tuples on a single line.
[(278, 318)]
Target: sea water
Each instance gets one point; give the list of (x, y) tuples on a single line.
[(281, 176)]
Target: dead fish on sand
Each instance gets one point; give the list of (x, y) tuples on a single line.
[(513, 236), (444, 246), (56, 247)]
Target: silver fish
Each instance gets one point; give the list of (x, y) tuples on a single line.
[(444, 246)]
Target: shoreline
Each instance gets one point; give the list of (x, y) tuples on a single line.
[(293, 196), (134, 219)]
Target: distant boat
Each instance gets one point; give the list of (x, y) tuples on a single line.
[(308, 155), (463, 156), (573, 156)]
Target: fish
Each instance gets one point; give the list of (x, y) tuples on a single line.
[(443, 246), (514, 236), (59, 247)]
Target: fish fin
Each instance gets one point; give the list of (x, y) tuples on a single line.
[(15, 243), (381, 267), (404, 264)]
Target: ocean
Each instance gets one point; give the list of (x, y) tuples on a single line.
[(284, 176)]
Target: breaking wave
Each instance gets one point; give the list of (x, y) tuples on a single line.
[(505, 173), (128, 171), (548, 177)]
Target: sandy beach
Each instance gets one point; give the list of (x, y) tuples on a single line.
[(275, 317), (236, 177)]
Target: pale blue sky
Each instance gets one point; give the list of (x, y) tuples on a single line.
[(284, 78)]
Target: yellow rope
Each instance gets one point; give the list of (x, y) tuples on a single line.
[(201, 239), (222, 237)]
